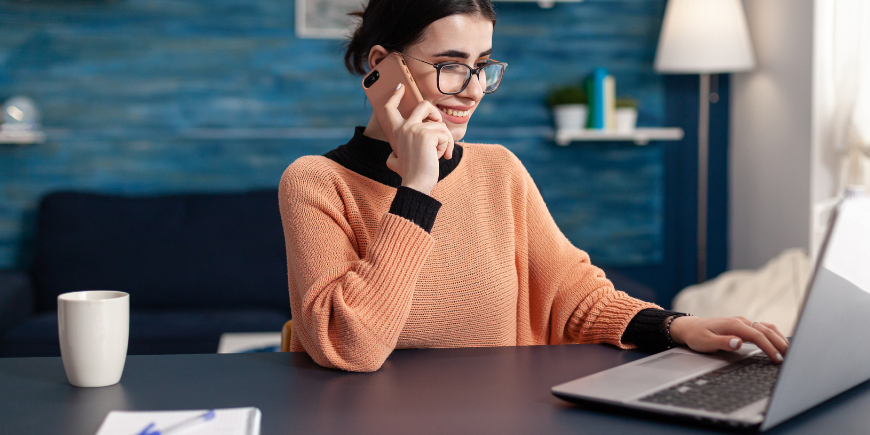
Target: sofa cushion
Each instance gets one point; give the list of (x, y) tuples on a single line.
[(16, 298), (173, 251), (151, 332)]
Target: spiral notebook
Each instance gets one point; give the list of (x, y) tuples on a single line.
[(230, 421)]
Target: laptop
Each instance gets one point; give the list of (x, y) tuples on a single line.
[(829, 352)]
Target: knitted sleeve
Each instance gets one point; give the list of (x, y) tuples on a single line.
[(416, 207), (646, 330), (350, 299), (570, 300)]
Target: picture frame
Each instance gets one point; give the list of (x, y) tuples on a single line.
[(326, 19)]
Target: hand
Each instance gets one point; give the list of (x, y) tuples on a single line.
[(420, 141), (712, 334)]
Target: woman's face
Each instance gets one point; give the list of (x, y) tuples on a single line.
[(458, 38)]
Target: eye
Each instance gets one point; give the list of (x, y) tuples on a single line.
[(451, 67)]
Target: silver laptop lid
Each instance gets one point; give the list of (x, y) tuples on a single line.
[(830, 352)]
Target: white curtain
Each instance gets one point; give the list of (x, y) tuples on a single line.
[(842, 59), (844, 68)]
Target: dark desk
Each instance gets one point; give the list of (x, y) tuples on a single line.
[(437, 391)]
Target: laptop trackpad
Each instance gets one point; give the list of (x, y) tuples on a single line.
[(630, 380), (678, 362)]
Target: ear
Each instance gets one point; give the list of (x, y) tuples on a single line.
[(376, 55)]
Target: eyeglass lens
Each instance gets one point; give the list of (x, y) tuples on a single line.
[(454, 77)]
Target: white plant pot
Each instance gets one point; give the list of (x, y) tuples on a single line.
[(570, 116), (626, 119)]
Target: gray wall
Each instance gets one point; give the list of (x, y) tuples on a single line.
[(771, 127)]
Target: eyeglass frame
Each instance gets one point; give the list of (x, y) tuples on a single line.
[(474, 72)]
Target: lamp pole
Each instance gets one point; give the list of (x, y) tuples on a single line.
[(703, 169), (704, 37)]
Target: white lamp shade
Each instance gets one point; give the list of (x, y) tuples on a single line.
[(704, 36)]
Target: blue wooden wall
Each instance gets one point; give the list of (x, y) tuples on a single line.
[(149, 96)]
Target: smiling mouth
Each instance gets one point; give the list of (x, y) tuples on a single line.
[(456, 113)]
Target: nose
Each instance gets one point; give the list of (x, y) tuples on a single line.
[(474, 90)]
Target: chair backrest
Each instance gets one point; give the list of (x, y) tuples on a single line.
[(169, 251), (285, 336)]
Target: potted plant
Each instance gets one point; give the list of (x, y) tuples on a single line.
[(626, 115), (569, 105)]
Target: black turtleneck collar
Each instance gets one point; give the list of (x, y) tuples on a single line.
[(368, 157)]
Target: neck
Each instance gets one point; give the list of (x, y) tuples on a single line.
[(374, 129)]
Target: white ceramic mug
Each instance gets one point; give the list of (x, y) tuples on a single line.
[(94, 327)]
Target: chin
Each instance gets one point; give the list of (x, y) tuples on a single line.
[(458, 131)]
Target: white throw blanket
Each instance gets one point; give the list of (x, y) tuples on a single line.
[(772, 294)]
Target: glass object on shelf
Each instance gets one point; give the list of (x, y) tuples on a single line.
[(21, 122), (20, 114)]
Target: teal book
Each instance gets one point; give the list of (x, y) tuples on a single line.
[(597, 104)]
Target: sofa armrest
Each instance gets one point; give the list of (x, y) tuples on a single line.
[(17, 301)]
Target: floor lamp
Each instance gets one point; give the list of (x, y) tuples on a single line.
[(704, 37)]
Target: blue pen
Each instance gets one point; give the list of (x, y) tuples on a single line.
[(178, 427)]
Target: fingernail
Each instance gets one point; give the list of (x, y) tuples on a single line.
[(399, 86), (735, 343), (778, 357)]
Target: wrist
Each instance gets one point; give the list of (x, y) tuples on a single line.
[(679, 327), (424, 188)]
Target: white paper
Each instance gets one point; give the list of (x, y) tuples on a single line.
[(848, 251), (238, 342), (231, 421)]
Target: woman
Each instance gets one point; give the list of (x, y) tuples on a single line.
[(441, 244)]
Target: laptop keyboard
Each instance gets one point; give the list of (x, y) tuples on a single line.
[(725, 389)]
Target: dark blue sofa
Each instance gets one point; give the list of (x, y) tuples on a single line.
[(195, 265)]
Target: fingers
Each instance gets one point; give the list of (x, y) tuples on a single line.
[(393, 162), (392, 108), (424, 110), (448, 153), (448, 144), (778, 341), (742, 331), (776, 330), (721, 342), (424, 117), (444, 140), (443, 136), (710, 335)]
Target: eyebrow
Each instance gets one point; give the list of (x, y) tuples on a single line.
[(461, 54)]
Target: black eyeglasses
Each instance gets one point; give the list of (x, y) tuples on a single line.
[(453, 77)]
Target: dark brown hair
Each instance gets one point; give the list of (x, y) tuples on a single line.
[(396, 24)]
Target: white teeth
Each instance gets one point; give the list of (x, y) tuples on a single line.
[(458, 113)]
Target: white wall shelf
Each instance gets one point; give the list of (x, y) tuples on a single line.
[(21, 137), (640, 136)]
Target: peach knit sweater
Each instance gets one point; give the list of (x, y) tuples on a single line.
[(495, 270)]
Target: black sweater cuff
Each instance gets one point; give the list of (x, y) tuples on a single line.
[(646, 330), (415, 206)]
